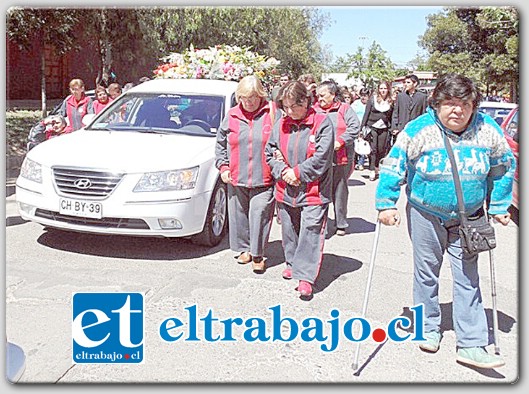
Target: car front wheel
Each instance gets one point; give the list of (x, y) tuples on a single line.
[(216, 218)]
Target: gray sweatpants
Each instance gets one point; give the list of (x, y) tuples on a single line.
[(250, 214), (340, 176), (303, 237)]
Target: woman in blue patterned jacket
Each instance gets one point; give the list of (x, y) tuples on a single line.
[(486, 167)]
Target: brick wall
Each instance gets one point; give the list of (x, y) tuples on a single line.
[(23, 71)]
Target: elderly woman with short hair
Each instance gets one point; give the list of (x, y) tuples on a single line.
[(486, 168), (346, 126), (241, 140)]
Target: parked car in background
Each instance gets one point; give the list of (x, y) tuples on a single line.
[(497, 110), (144, 166), (510, 130)]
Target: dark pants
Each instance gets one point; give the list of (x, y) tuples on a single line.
[(378, 139)]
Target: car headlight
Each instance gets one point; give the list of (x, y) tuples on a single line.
[(167, 180), (31, 170)]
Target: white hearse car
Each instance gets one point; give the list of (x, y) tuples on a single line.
[(144, 166)]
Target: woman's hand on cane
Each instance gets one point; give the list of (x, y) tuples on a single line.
[(389, 217), (503, 219)]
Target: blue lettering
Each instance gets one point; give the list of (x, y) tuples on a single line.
[(392, 333), (228, 328), (278, 321), (208, 330), (192, 334), (315, 332), (260, 329), (168, 325), (348, 329), (418, 318), (335, 331)]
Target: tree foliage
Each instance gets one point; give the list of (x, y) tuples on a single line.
[(371, 68), (131, 41), (481, 42), (51, 26)]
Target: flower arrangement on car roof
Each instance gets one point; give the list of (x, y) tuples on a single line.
[(219, 62)]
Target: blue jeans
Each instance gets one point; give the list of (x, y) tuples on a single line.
[(431, 238)]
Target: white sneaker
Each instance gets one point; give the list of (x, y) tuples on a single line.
[(372, 175)]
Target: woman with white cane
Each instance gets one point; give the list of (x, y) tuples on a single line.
[(485, 164)]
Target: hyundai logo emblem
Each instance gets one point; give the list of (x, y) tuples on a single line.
[(82, 183)]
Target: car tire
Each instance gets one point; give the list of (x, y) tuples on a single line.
[(216, 218)]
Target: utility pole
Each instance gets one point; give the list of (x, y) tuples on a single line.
[(362, 39)]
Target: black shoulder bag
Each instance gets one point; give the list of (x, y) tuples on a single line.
[(476, 232)]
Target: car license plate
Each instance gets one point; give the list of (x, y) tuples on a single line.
[(86, 209)]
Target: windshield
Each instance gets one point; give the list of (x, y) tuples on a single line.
[(498, 114), (163, 113)]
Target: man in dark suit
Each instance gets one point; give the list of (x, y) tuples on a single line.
[(409, 105)]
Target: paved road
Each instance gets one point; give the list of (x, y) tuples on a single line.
[(44, 268)]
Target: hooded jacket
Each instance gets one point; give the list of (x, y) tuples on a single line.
[(307, 147)]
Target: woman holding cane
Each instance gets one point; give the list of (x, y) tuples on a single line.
[(486, 167)]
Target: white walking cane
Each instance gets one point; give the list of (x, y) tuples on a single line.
[(493, 296), (494, 309), (368, 285)]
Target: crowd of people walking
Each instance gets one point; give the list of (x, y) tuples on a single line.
[(291, 151), (306, 155)]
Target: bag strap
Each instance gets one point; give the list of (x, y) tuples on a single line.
[(457, 180)]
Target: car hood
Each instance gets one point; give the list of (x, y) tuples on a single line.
[(124, 151)]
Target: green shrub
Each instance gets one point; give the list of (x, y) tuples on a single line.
[(18, 124)]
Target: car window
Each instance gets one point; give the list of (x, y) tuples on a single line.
[(168, 113), (488, 111)]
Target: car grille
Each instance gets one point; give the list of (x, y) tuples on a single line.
[(83, 183), (137, 224)]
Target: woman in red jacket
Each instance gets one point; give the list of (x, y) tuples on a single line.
[(346, 128), (76, 105), (241, 140), (102, 99), (299, 153)]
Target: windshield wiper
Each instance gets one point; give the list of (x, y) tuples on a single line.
[(104, 128), (153, 131)]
